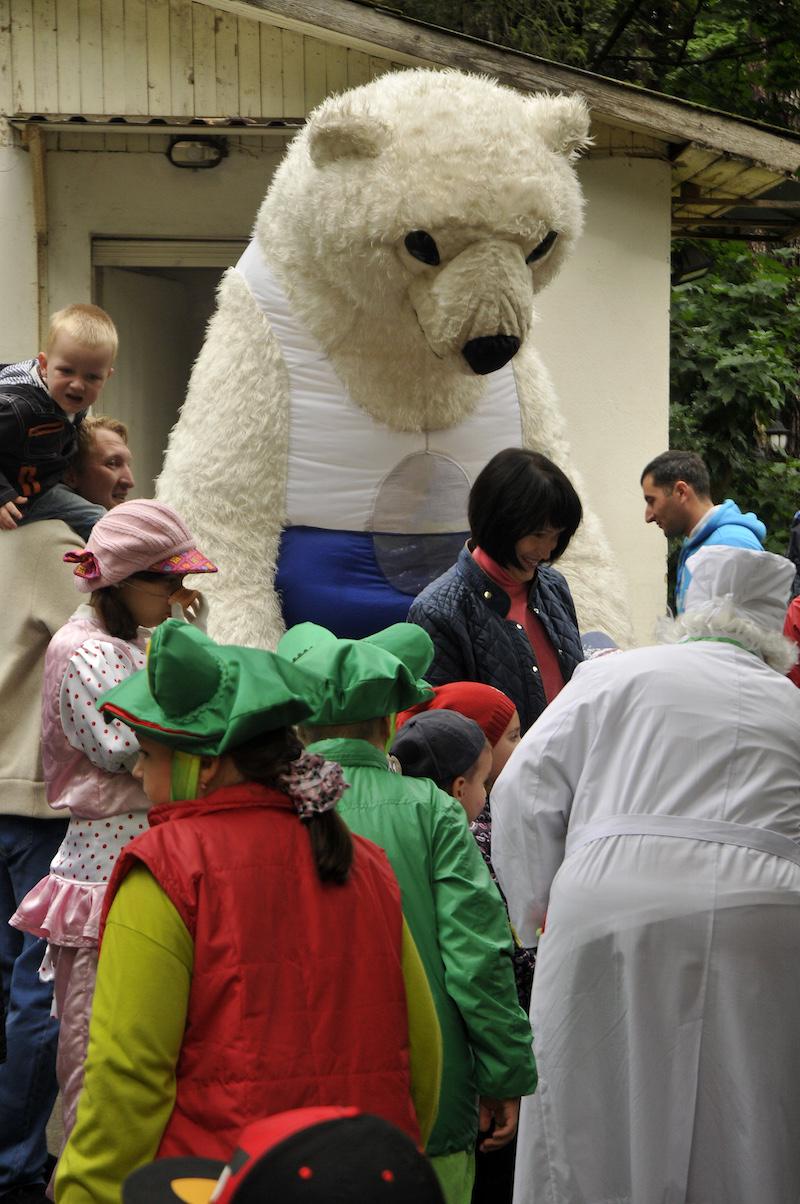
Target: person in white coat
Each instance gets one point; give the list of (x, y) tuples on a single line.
[(649, 822)]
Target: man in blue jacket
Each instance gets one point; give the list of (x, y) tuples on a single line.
[(677, 495)]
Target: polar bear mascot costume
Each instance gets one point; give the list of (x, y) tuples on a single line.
[(371, 351)]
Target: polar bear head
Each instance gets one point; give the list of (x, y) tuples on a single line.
[(411, 223)]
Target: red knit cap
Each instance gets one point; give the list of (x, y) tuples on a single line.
[(490, 708)]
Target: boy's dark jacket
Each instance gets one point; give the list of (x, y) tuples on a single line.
[(37, 440)]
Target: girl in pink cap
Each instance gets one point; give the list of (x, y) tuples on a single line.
[(133, 568)]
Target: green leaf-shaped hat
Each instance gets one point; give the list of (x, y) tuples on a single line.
[(206, 698), (363, 679)]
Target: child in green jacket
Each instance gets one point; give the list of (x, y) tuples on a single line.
[(453, 910)]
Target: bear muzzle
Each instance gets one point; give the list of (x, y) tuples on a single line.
[(477, 308)]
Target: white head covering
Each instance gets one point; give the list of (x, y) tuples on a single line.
[(740, 596), (756, 584)]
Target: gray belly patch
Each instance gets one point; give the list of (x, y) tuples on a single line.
[(419, 520)]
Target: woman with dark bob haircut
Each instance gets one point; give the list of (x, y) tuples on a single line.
[(502, 615)]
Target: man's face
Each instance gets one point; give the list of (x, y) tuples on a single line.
[(663, 505), (74, 374), (106, 476)]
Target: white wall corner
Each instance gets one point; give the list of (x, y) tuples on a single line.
[(604, 336), (19, 333)]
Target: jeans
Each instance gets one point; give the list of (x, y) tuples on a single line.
[(28, 1077), (64, 503)]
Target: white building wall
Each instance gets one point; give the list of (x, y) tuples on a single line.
[(165, 58), (604, 335), (143, 196), (19, 331)]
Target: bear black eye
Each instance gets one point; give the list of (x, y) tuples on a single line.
[(420, 244), (543, 247)]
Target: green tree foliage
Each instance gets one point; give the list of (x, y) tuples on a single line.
[(734, 371), (742, 56)]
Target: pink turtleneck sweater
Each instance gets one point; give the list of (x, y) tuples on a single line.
[(520, 614)]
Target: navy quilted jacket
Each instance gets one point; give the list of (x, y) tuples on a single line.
[(464, 612)]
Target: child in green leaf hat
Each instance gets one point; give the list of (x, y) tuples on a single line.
[(453, 909), (253, 957)]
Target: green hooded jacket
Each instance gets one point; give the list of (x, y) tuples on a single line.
[(459, 925)]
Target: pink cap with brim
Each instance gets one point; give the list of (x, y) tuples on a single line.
[(190, 561), (137, 537)]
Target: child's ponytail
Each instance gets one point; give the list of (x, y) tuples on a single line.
[(332, 846)]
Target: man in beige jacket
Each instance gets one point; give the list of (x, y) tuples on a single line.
[(37, 596)]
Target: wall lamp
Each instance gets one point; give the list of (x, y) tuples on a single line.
[(197, 153)]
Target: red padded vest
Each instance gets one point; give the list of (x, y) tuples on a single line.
[(297, 994)]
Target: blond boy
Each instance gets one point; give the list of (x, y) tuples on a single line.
[(42, 404)]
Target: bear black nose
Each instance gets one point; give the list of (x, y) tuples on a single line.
[(489, 353)]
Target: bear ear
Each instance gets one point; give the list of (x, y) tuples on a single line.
[(562, 121), (342, 134)]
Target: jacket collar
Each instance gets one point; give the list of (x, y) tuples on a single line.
[(350, 753), (228, 798), (491, 593)]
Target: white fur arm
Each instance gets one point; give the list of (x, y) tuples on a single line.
[(226, 466), (596, 581)]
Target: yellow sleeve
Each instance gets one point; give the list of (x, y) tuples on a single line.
[(425, 1038), (138, 1020)]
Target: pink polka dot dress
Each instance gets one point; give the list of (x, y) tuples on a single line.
[(87, 764)]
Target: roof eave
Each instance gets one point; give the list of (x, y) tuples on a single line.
[(673, 120)]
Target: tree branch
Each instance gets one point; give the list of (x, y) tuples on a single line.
[(692, 27), (718, 56), (616, 33)]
